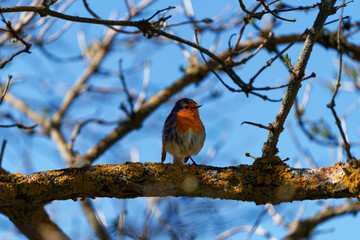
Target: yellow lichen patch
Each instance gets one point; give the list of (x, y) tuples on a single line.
[(159, 171), (228, 175), (132, 169), (17, 174), (351, 181)]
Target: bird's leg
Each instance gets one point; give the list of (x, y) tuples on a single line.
[(187, 159)]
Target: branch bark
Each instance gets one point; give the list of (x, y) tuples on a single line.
[(304, 229), (259, 183), (34, 222)]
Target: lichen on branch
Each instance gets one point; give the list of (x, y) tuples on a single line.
[(263, 182)]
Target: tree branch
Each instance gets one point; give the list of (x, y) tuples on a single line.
[(34, 222), (270, 149), (44, 11), (303, 229), (257, 183)]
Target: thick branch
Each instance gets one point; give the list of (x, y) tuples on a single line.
[(256, 183), (34, 222), (304, 229)]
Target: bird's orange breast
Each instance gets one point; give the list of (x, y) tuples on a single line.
[(187, 120)]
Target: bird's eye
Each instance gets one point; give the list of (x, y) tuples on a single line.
[(186, 107)]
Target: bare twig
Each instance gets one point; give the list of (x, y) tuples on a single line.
[(242, 29), (39, 38), (122, 218), (43, 11), (251, 156), (5, 89), (243, 61), (251, 14), (81, 124), (146, 80), (268, 63), (236, 79), (93, 219), (272, 13), (16, 36), (312, 75), (258, 125), (100, 54), (128, 95), (160, 11), (331, 105), (213, 71), (258, 231), (19, 125), (2, 152), (301, 8), (256, 224)]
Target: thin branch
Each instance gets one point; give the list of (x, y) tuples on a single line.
[(331, 105), (97, 17), (242, 29), (268, 63), (270, 148), (51, 23), (44, 11), (300, 8), (258, 125), (272, 13), (304, 229), (81, 124), (146, 80), (93, 219), (16, 36), (251, 14), (128, 95), (19, 125), (312, 75), (212, 70), (260, 231), (23, 107), (93, 67), (160, 11), (243, 61), (256, 224), (5, 89), (2, 152), (121, 220)]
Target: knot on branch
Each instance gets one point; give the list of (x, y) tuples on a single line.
[(149, 29), (273, 172), (268, 163), (43, 11), (146, 28)]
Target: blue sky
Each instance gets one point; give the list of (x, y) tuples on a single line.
[(42, 83)]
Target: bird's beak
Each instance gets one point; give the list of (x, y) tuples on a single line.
[(198, 106)]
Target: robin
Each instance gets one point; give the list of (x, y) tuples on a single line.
[(184, 133)]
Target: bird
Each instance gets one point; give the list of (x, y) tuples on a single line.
[(183, 133)]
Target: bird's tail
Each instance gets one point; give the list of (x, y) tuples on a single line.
[(163, 154)]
